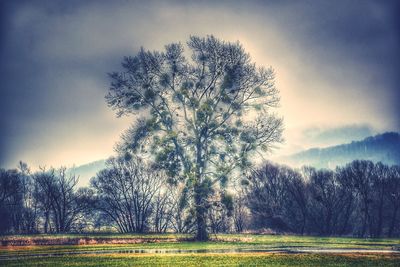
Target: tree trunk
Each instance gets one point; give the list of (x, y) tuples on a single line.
[(346, 218), (46, 222), (366, 217), (378, 230), (201, 191), (201, 211), (393, 221)]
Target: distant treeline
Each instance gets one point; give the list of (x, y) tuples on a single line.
[(359, 199)]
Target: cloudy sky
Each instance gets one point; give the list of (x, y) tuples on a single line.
[(336, 66)]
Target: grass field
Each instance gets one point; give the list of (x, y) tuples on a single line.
[(178, 250)]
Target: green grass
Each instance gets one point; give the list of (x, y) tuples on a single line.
[(114, 257), (211, 260)]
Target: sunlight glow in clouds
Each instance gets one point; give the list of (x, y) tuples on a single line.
[(335, 66)]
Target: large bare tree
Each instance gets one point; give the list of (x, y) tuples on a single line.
[(62, 204), (127, 192), (202, 113)]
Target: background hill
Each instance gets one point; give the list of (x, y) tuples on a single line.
[(383, 147), (87, 171)]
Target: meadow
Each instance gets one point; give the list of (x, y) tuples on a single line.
[(179, 250)]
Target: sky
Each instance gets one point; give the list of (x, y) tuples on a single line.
[(336, 65)]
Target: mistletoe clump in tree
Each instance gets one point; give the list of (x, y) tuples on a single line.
[(200, 119)]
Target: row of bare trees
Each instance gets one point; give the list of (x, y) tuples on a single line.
[(360, 199), (137, 198), (128, 196), (45, 201)]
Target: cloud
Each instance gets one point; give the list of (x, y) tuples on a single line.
[(335, 62)]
